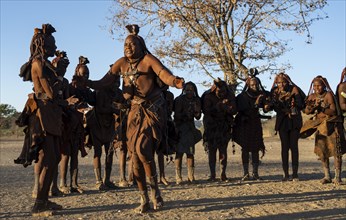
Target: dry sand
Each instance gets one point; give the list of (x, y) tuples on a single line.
[(267, 199)]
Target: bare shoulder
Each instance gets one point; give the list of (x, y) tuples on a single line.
[(36, 65), (329, 97), (119, 65), (149, 58), (36, 62), (83, 68), (151, 62), (121, 60), (329, 94)]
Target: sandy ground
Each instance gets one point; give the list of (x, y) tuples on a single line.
[(267, 199)]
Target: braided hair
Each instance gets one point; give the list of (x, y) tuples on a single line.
[(253, 75), (194, 88), (38, 40), (37, 50), (218, 83), (82, 62), (133, 30), (284, 76), (60, 61), (324, 81)]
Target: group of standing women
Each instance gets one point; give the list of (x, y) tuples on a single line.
[(239, 117), (45, 108), (145, 79), (288, 101)]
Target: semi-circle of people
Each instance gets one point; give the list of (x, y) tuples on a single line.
[(137, 120)]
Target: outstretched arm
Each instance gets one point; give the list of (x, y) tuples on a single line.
[(111, 76), (105, 81), (164, 73)]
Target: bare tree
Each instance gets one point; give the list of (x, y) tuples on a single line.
[(219, 35)]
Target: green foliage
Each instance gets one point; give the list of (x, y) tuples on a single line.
[(8, 116), (7, 110)]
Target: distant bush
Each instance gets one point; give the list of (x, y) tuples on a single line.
[(8, 116)]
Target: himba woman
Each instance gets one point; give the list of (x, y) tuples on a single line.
[(61, 87), (147, 116), (187, 108), (218, 107), (45, 112), (327, 122), (121, 108), (288, 101), (166, 147), (341, 95), (73, 134), (248, 121), (101, 125), (341, 92)]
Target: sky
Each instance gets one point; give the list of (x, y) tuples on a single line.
[(82, 31)]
